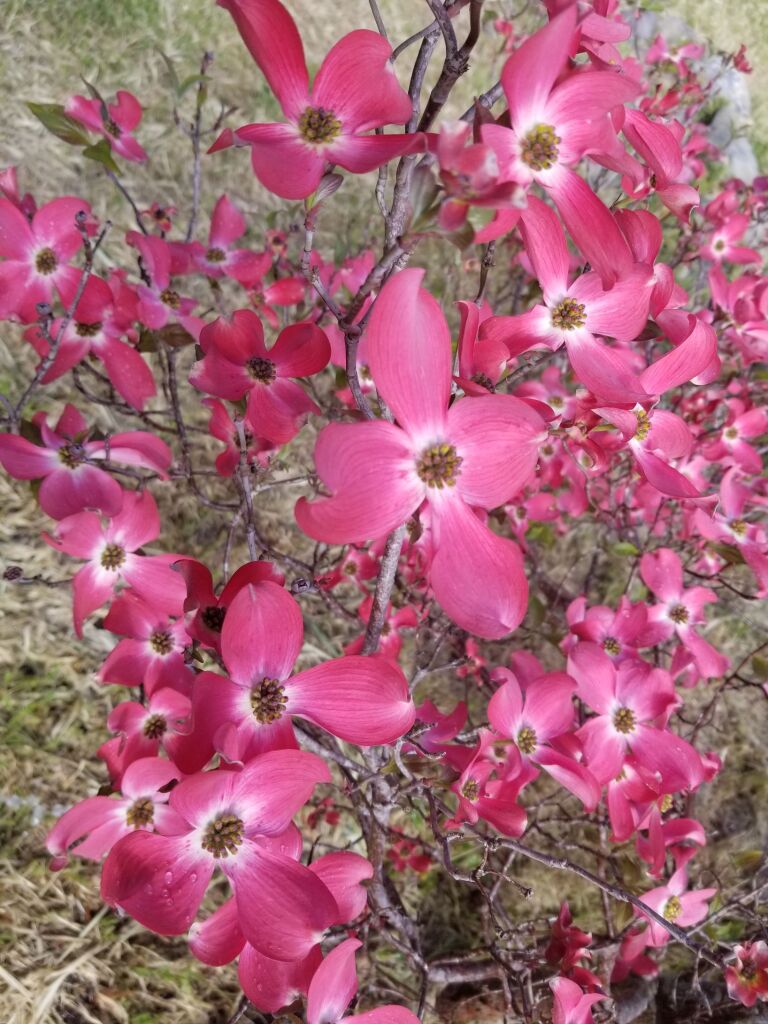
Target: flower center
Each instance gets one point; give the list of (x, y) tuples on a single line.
[(539, 149), (112, 127), (471, 790), (262, 369), (739, 527), (611, 645), (666, 803), (731, 433), (643, 425), (438, 466), (161, 642), (155, 726), (526, 740), (268, 701), (556, 401), (679, 614), (318, 125), (213, 617), (46, 261), (141, 812), (215, 255), (224, 835), (71, 455), (568, 315), (87, 330), (170, 298), (624, 720), (112, 557), (673, 908)]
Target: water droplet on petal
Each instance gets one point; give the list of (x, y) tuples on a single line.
[(168, 877)]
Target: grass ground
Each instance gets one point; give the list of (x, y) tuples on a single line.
[(63, 959)]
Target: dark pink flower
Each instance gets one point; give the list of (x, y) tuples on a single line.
[(237, 363), (629, 699), (335, 984), (679, 610), (220, 258), (476, 454), (354, 92), (573, 315), (747, 978), (272, 984), (205, 610), (36, 254), (554, 121), (99, 821), (359, 699), (111, 554), (675, 905), (116, 121), (537, 718), (152, 651), (97, 327), (161, 879), (68, 463)]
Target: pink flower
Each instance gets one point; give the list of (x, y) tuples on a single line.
[(96, 327), (572, 316), (99, 821), (730, 526), (219, 258), (629, 699), (675, 905), (617, 632), (747, 978), (36, 255), (67, 463), (225, 816), (741, 426), (679, 610), (334, 986), (359, 699), (163, 721), (354, 92), (489, 790), (478, 453), (237, 363), (537, 719), (273, 984), (159, 303), (554, 121), (572, 1006), (110, 552), (152, 653), (204, 610), (482, 360), (116, 121)]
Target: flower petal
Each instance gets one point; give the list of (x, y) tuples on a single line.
[(477, 577), (409, 355), (359, 699), (262, 634)]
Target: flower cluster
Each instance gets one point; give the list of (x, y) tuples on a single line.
[(599, 391)]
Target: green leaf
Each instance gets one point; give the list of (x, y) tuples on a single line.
[(57, 121), (101, 152), (748, 860), (625, 549), (174, 78), (96, 95), (760, 666), (541, 533)]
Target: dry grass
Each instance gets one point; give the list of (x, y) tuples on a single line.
[(63, 958)]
